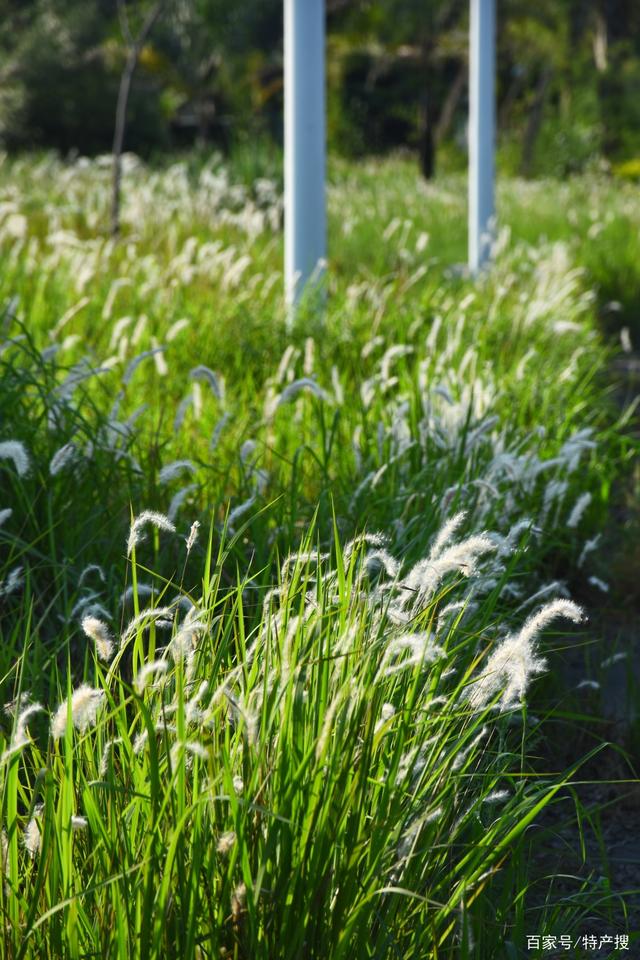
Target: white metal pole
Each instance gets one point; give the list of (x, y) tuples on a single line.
[(304, 144), (482, 127)]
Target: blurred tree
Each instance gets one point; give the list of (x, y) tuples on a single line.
[(568, 77), (135, 37), (534, 41), (59, 78), (248, 41), (428, 37)]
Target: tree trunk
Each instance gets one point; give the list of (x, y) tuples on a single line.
[(426, 116), (535, 122), (600, 43), (426, 138), (579, 15), (133, 52), (451, 103), (118, 139), (506, 107), (430, 127)]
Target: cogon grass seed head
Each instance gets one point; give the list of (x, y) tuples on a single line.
[(193, 536), (16, 451), (20, 737), (292, 390), (147, 671), (238, 901), (576, 514), (515, 660), (226, 843), (85, 704), (239, 511), (178, 499), (98, 631), (62, 458), (158, 520), (32, 836), (174, 469), (13, 582), (238, 785)]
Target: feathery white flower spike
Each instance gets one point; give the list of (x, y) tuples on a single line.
[(193, 536), (599, 584), (32, 836), (20, 737), (13, 582), (446, 533), (174, 469), (578, 511), (85, 703), (214, 380), (178, 499), (99, 632), (147, 516), (16, 451), (144, 618), (62, 457), (147, 671), (292, 390), (238, 785), (225, 843), (240, 511), (514, 661)]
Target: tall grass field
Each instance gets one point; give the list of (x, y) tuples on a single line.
[(281, 605)]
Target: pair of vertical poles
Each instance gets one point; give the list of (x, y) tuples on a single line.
[(305, 140)]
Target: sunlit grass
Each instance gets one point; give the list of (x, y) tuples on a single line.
[(326, 792)]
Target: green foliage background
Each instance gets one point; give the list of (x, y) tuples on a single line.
[(568, 78)]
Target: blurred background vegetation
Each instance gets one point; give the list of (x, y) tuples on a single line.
[(210, 74)]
